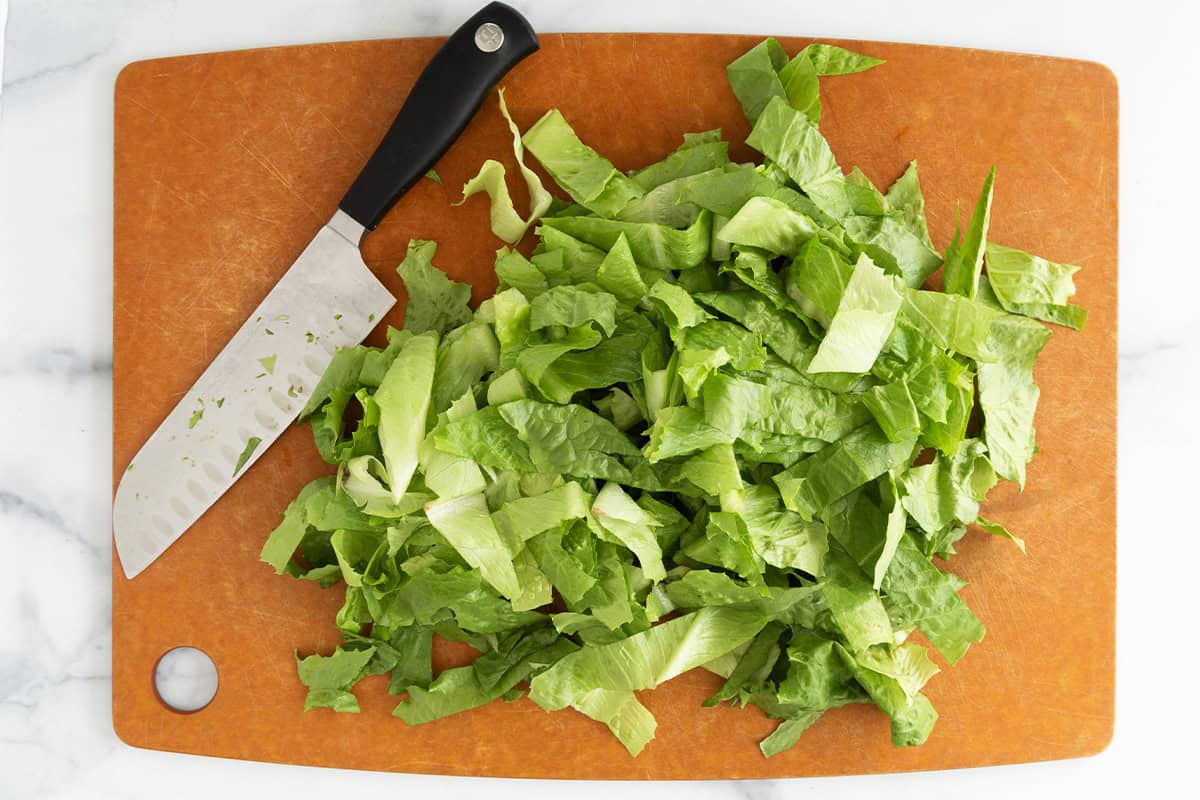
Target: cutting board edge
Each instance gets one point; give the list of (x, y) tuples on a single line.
[(1091, 64), (1092, 749), (1098, 744)]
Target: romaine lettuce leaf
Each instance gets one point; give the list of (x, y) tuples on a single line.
[(1029, 285), (792, 141), (435, 303), (491, 676), (680, 431), (952, 322), (919, 594), (567, 572), (282, 542), (816, 280), (862, 455), (829, 59), (571, 306), (589, 178), (506, 222), (329, 678), (964, 258), (629, 720), (754, 76), (515, 271), (948, 490), (646, 659), (1008, 396), (404, 399), (652, 245), (523, 518), (780, 537), (770, 225), (714, 470), (465, 356), (912, 717), (467, 525), (863, 321), (907, 202), (618, 273), (629, 524), (699, 153), (449, 475), (854, 603), (996, 529), (894, 410)]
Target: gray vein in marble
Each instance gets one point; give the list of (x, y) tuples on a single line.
[(14, 505), (1158, 348), (758, 790), (43, 40), (3, 26), (54, 69), (61, 362)]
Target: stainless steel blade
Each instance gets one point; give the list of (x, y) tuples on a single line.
[(254, 388)]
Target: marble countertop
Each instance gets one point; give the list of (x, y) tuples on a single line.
[(60, 58)]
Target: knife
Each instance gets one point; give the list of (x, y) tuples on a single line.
[(262, 378)]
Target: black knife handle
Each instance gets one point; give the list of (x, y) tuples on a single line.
[(442, 101)]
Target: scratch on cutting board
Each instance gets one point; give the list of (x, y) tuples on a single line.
[(1057, 172), (237, 84), (276, 617), (251, 215), (159, 117), (279, 176), (287, 128), (180, 196), (200, 86), (353, 147)]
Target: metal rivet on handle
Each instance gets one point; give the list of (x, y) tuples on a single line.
[(488, 37)]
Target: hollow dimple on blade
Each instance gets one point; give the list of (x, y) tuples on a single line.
[(247, 397)]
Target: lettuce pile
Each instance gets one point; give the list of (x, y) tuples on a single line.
[(717, 419)]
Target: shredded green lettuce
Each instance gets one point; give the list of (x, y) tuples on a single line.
[(506, 222), (717, 418)]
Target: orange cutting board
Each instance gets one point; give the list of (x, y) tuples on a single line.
[(227, 164)]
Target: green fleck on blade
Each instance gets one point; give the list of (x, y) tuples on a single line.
[(251, 445)]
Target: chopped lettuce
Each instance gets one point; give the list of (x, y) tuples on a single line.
[(590, 178), (716, 418), (435, 303), (506, 222), (862, 323), (1009, 397), (404, 398), (1030, 285), (644, 660), (829, 59), (964, 257)]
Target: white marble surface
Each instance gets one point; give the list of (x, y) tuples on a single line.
[(60, 59)]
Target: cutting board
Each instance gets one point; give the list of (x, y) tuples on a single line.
[(226, 164)]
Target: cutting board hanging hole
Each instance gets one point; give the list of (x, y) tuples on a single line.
[(185, 679)]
